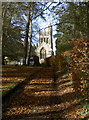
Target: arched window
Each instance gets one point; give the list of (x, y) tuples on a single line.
[(41, 40), (42, 53)]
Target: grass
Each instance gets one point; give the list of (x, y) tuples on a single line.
[(8, 89)]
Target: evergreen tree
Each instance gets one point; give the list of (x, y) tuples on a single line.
[(12, 22), (73, 23)]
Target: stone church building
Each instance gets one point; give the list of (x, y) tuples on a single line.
[(45, 47)]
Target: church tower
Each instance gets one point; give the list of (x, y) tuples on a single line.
[(45, 48)]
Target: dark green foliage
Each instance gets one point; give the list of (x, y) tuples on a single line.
[(73, 23), (63, 46), (12, 27)]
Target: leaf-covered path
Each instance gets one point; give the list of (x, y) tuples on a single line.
[(43, 98)]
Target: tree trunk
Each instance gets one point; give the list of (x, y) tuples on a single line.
[(87, 20), (3, 61), (29, 48), (26, 37), (4, 12), (30, 40)]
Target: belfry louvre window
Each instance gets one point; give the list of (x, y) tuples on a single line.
[(42, 53), (41, 40), (47, 40)]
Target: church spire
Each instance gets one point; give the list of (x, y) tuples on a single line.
[(50, 24)]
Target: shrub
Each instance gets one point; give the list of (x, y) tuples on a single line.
[(80, 71), (36, 60), (57, 62)]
